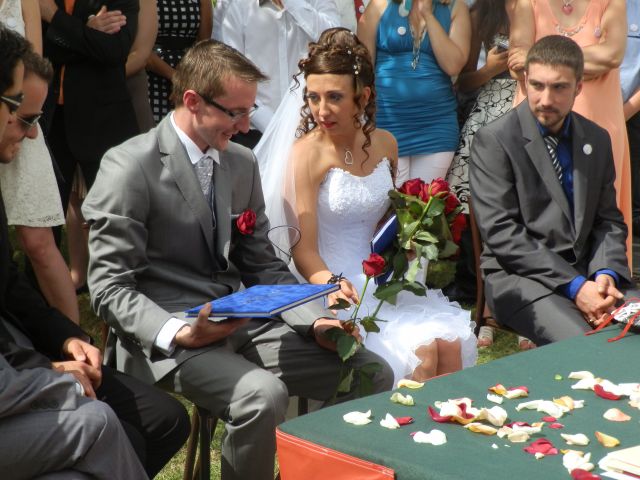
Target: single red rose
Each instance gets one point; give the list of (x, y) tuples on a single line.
[(404, 420), (601, 392), (457, 227), (374, 265), (246, 222), (451, 203), (580, 474), (542, 445), (439, 185), (412, 187), (424, 193)]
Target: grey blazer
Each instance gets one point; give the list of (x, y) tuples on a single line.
[(154, 252), (532, 245)]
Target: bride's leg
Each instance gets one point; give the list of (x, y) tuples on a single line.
[(449, 356), (428, 355)]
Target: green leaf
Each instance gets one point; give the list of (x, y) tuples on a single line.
[(345, 382), (391, 289), (341, 304), (334, 333), (365, 384), (431, 252), (369, 324), (347, 346), (412, 272), (407, 231), (426, 236), (400, 264), (436, 207), (449, 249), (416, 288)]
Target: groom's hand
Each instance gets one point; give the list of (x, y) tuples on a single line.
[(203, 332), (321, 325)]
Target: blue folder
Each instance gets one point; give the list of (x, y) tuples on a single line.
[(264, 300), (383, 239)]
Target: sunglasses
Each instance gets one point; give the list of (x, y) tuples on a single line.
[(29, 122), (234, 116), (12, 102)]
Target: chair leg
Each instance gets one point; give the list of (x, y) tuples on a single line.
[(303, 406), (477, 250), (192, 445), (207, 427)]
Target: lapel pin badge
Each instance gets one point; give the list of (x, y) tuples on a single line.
[(587, 149)]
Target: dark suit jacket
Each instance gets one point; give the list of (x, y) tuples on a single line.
[(23, 307), (532, 245), (97, 105)]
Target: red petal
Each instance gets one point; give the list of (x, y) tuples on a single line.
[(404, 420), (556, 425), (542, 445), (549, 419), (464, 414), (601, 392), (435, 416), (580, 474), (519, 424)]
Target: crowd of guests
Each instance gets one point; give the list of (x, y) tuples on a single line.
[(129, 125)]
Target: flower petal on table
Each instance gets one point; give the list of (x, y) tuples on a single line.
[(478, 427), (616, 415), (404, 420), (556, 425), (575, 439), (495, 398), (607, 440), (517, 392), (601, 392), (498, 389), (405, 382), (531, 405), (577, 460), (357, 418), (406, 400), (580, 474), (518, 436), (582, 374), (549, 419), (634, 400), (584, 384), (543, 446), (434, 437), (565, 401), (389, 422)]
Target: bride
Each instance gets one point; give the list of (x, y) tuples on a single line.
[(334, 189)]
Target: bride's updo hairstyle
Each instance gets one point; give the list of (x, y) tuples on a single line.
[(339, 52)]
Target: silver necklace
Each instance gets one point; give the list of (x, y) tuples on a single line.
[(348, 157)]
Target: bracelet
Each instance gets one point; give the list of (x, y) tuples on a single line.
[(335, 278)]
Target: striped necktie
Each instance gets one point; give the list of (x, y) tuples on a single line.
[(552, 147), (204, 172)]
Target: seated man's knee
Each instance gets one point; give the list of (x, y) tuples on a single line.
[(266, 393)]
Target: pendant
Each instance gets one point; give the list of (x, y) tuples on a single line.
[(402, 9), (348, 157), (567, 9)]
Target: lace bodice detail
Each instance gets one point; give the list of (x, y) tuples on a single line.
[(349, 208), (11, 15)]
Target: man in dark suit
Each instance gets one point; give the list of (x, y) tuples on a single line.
[(35, 336), (541, 180), (92, 109)]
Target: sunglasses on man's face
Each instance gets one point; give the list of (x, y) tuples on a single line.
[(12, 102), (29, 122)]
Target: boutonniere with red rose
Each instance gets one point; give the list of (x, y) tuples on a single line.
[(246, 222)]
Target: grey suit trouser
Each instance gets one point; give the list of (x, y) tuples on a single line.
[(87, 442), (247, 381), (550, 319)]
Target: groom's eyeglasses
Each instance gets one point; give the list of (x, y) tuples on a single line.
[(12, 102), (29, 122), (235, 116)]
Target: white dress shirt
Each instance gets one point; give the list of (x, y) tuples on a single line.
[(165, 338), (275, 40)]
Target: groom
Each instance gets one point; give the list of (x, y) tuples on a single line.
[(165, 236)]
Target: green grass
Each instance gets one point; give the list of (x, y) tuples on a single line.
[(504, 344)]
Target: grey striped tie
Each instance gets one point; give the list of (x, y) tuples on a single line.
[(552, 147), (204, 172)]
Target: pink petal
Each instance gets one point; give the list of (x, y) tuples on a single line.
[(580, 474), (556, 425), (549, 419), (542, 445), (404, 420), (519, 388), (436, 417), (601, 392), (518, 424)]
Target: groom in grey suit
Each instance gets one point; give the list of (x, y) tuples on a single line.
[(165, 236), (541, 180)]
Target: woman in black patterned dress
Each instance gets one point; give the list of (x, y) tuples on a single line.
[(181, 24)]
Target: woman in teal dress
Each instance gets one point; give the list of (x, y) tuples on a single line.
[(418, 46)]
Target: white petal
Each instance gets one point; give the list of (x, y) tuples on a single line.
[(495, 398), (539, 455), (434, 437), (389, 422), (407, 400), (532, 405), (357, 418), (580, 375), (584, 384), (577, 439), (573, 459), (497, 416), (552, 409)]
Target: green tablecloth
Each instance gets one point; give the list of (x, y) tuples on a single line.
[(470, 455)]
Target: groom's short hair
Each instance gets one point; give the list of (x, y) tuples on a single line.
[(556, 50), (206, 65)]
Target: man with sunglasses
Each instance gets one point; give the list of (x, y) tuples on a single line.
[(164, 237)]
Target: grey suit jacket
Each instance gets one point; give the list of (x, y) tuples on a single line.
[(532, 245), (154, 252)]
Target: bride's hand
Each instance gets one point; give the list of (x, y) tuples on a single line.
[(347, 292)]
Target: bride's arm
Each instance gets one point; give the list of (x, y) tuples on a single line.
[(308, 174)]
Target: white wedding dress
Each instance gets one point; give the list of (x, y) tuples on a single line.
[(349, 208)]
